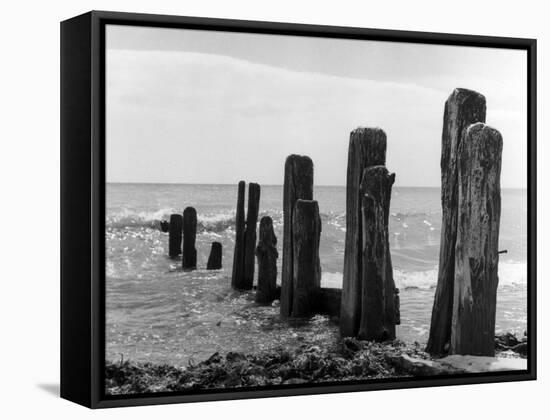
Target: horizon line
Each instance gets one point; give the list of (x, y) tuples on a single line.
[(275, 185)]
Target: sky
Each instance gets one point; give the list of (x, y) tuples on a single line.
[(189, 106)]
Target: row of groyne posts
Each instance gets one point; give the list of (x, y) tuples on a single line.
[(184, 229), (464, 310)]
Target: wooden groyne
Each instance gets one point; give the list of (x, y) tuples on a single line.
[(306, 233), (267, 255), (298, 184), (215, 257), (476, 255), (189, 260), (250, 235), (238, 254), (245, 237), (367, 147), (378, 315), (464, 309), (174, 235), (164, 226), (462, 108)]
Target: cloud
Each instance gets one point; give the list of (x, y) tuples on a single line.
[(192, 117)]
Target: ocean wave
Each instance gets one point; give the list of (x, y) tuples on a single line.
[(420, 214), (129, 219), (206, 222), (209, 223), (511, 274), (133, 219), (216, 223)]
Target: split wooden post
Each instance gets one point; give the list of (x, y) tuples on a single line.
[(250, 234), (189, 260), (238, 254), (298, 184), (378, 292), (174, 235), (306, 233), (215, 257), (462, 108), (476, 267), (367, 147), (267, 255)]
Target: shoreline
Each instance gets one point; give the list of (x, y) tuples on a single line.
[(348, 360)]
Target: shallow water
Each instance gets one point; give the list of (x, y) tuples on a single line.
[(157, 312)]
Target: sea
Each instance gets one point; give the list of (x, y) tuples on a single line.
[(156, 312)]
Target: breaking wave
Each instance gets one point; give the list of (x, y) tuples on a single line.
[(511, 274), (211, 223)]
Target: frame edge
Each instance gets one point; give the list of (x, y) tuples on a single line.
[(76, 282), (88, 109)]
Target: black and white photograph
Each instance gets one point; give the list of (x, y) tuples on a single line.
[(286, 210), (275, 209)]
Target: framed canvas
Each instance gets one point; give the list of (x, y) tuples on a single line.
[(256, 209)]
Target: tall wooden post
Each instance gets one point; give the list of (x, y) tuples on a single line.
[(174, 235), (238, 254), (189, 260), (367, 147), (476, 268), (298, 184), (215, 257), (267, 255), (250, 234), (463, 107), (306, 232), (378, 293)]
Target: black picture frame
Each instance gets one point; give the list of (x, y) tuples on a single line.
[(83, 204)]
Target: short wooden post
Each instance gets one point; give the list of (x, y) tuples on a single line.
[(378, 312), (267, 255), (215, 257), (189, 260), (250, 234), (476, 267), (463, 107), (164, 226), (298, 184), (367, 147), (306, 232), (174, 235), (238, 254)]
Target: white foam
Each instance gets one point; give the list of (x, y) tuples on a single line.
[(510, 274)]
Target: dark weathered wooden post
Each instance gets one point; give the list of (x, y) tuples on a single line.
[(378, 293), (215, 257), (463, 107), (306, 232), (367, 147), (174, 235), (164, 226), (298, 184), (238, 254), (250, 234), (267, 255), (476, 268), (189, 260)]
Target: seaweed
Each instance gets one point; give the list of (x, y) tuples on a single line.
[(350, 360)]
